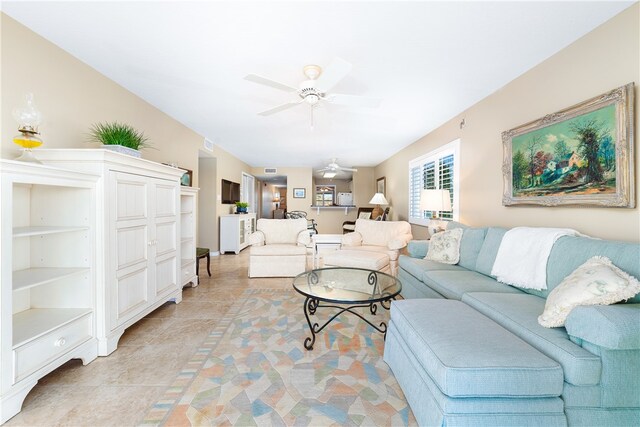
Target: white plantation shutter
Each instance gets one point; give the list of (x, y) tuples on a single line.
[(438, 169)]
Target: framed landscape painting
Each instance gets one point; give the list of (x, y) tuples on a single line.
[(582, 155)]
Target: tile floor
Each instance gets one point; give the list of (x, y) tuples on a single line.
[(118, 390)]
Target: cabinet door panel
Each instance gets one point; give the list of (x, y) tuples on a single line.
[(131, 293), (165, 274), (132, 244), (166, 237), (166, 199), (131, 197)]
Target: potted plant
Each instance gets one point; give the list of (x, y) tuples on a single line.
[(241, 207), (119, 137)]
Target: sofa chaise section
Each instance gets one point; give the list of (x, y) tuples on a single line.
[(598, 350)]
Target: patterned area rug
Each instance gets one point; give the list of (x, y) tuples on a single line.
[(254, 370)]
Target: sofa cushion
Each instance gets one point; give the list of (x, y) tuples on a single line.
[(489, 250), (519, 314), (277, 250), (416, 267), (468, 355), (569, 253), (470, 245), (415, 288), (454, 284)]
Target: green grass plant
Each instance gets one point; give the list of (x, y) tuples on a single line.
[(118, 134)]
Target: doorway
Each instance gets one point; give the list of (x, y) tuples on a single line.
[(273, 196)]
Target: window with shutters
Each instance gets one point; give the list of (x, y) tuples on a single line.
[(438, 170)]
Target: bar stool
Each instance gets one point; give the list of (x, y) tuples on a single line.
[(202, 253)]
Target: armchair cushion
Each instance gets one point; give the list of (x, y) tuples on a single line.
[(379, 233), (281, 230), (278, 250)]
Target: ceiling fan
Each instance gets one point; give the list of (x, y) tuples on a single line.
[(333, 168), (316, 89)]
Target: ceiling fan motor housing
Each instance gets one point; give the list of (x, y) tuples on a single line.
[(309, 93)]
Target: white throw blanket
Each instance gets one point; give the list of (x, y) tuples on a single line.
[(523, 253)]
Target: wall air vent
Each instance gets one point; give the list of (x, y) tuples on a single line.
[(208, 145), (270, 171)]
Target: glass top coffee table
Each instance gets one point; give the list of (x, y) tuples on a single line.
[(351, 288)]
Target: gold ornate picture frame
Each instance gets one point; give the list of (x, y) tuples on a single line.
[(582, 155)]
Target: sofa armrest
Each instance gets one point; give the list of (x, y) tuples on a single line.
[(352, 239), (610, 326), (256, 238), (418, 248), (304, 238)]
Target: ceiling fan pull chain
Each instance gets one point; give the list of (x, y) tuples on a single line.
[(312, 108)]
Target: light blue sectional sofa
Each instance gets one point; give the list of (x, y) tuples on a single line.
[(468, 350)]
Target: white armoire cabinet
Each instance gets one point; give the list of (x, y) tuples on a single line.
[(138, 239), (188, 209), (47, 275), (235, 230)]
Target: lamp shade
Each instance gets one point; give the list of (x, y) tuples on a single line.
[(435, 200), (378, 199)]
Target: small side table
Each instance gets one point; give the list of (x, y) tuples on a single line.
[(323, 243), (202, 253)]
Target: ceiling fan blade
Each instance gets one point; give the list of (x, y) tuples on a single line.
[(280, 108), (348, 169), (268, 82), (335, 72), (353, 100)]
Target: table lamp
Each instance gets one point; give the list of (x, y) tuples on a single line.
[(436, 201), (377, 199)]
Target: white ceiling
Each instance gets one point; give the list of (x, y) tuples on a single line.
[(428, 61)]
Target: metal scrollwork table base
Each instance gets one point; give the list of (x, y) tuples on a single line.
[(345, 289)]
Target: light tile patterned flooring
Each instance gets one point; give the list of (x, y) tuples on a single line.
[(119, 389)]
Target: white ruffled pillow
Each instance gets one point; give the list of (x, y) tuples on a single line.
[(444, 247), (596, 282)]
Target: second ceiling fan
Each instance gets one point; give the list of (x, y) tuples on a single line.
[(316, 89)]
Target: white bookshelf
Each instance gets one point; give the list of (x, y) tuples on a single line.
[(47, 280), (188, 209)]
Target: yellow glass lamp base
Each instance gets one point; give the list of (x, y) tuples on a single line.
[(27, 143)]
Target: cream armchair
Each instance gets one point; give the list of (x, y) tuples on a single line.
[(278, 248), (386, 237)]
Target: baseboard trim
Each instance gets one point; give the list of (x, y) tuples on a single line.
[(216, 253)]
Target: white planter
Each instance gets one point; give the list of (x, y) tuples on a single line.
[(123, 150)]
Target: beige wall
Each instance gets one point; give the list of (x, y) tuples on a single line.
[(604, 59), (72, 96), (207, 205)]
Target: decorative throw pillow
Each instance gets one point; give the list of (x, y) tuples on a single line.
[(444, 247), (596, 282)]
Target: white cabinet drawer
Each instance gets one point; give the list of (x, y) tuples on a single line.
[(35, 354), (188, 272)]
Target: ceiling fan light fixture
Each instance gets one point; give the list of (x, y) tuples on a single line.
[(312, 99), (329, 174)]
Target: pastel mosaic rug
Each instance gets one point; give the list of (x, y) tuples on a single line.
[(254, 370)]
